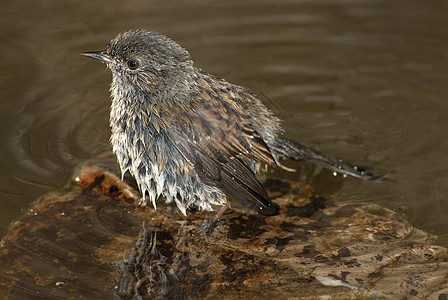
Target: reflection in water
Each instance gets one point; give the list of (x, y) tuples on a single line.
[(360, 80), (159, 266), (144, 272)]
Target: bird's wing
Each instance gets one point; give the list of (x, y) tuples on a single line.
[(215, 135)]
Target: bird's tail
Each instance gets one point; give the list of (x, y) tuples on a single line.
[(285, 148)]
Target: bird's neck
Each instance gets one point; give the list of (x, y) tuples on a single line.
[(142, 111)]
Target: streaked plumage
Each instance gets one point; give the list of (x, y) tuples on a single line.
[(189, 136)]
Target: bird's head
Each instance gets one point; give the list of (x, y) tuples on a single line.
[(145, 62)]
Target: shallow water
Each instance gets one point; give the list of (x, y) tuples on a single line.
[(360, 80)]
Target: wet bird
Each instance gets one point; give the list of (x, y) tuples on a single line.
[(191, 137)]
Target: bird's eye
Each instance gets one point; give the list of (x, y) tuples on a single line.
[(132, 64)]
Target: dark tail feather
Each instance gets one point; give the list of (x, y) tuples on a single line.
[(297, 151)]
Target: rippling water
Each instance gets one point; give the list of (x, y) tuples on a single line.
[(360, 80)]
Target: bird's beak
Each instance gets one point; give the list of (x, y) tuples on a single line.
[(100, 55)]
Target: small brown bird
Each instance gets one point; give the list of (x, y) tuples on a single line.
[(189, 136)]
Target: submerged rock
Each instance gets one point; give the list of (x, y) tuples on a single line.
[(91, 241)]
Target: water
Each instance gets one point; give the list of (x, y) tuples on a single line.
[(360, 80)]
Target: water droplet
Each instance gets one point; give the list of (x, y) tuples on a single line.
[(335, 173)]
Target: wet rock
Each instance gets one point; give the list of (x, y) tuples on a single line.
[(92, 241)]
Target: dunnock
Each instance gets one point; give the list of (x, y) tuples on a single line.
[(189, 136)]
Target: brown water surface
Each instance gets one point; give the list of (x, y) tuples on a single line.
[(361, 80)]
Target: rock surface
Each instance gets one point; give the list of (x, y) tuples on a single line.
[(91, 241)]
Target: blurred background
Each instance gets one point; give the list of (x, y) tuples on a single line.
[(365, 81)]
